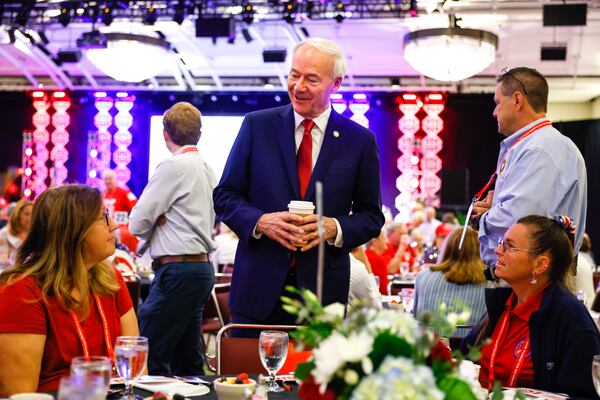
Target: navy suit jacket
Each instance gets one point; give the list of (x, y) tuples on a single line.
[(261, 177)]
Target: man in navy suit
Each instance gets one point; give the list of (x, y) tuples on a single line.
[(278, 156)]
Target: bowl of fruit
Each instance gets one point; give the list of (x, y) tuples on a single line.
[(234, 388)]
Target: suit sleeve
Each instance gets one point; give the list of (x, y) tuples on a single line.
[(366, 219), (230, 196)]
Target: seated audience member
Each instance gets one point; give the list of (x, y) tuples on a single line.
[(61, 299), (542, 337), (449, 218), (402, 255), (13, 234), (458, 277), (584, 281), (379, 257), (362, 282), (226, 242), (429, 226), (586, 250)]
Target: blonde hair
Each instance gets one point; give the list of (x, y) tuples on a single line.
[(462, 266), (14, 224), (53, 252), (330, 48), (183, 123)]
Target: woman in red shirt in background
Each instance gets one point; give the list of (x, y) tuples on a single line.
[(61, 300)]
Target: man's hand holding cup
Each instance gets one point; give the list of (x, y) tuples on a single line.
[(309, 224)]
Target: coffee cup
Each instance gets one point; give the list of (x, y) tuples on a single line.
[(301, 208)]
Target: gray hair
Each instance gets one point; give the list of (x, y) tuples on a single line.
[(330, 48), (108, 172)]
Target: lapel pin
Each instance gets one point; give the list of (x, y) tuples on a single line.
[(336, 134)]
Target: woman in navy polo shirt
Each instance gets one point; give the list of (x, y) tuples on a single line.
[(542, 337)]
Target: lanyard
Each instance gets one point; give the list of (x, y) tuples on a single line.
[(539, 125), (107, 338), (518, 365), (189, 150)]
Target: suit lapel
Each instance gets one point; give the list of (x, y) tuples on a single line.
[(287, 145), (329, 148)]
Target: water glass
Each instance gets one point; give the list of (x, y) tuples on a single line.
[(131, 354), (82, 387), (93, 366), (273, 347), (596, 372)]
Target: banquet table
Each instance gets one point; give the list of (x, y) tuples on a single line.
[(292, 395)]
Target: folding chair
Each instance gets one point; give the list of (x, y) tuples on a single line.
[(236, 355), (216, 314)]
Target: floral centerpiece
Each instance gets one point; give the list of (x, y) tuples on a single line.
[(374, 354)]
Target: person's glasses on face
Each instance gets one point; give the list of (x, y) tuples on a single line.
[(512, 249), (508, 73), (106, 217)]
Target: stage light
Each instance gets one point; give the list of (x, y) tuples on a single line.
[(359, 106), (94, 153), (290, 8), (65, 16), (247, 13), (122, 94), (37, 94), (28, 151), (179, 16), (58, 95), (150, 16), (107, 16), (340, 12), (92, 174), (100, 94)]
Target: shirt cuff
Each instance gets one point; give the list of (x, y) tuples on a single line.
[(255, 234), (339, 238)]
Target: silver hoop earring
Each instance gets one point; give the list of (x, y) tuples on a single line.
[(533, 279)]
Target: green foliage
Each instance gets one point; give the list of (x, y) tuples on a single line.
[(455, 388), (303, 370), (386, 344)]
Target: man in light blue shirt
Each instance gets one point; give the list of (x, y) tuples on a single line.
[(175, 214), (539, 170)]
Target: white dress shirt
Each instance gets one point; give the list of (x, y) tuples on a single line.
[(363, 285), (318, 134), (181, 190)]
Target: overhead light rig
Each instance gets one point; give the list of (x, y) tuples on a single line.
[(35, 13)]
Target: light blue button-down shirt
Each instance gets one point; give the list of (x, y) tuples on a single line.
[(181, 190), (543, 174)]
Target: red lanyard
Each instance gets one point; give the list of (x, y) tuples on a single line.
[(107, 337), (189, 150), (539, 125), (518, 365)]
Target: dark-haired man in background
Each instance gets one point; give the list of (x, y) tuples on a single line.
[(539, 170)]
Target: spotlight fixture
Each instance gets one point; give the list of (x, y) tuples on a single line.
[(179, 15), (290, 8), (65, 16), (450, 54), (340, 12), (247, 13), (107, 17), (247, 35), (150, 16), (24, 12)]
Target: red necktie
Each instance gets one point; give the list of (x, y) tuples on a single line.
[(304, 156)]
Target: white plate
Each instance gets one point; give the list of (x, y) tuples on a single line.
[(146, 379)]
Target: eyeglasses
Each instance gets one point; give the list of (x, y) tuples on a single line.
[(508, 72), (106, 217), (508, 248)]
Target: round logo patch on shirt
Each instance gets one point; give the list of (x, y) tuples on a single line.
[(519, 348)]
